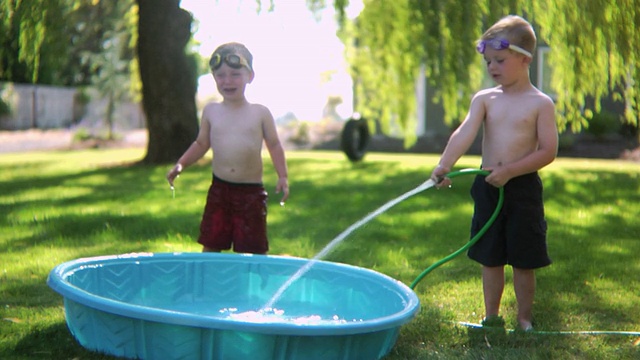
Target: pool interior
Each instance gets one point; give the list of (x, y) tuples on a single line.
[(226, 288)]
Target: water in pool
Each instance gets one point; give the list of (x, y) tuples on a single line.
[(338, 239), (278, 316)]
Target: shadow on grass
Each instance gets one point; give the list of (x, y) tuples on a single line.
[(52, 342), (103, 232), (444, 339), (81, 210), (130, 209), (602, 247)]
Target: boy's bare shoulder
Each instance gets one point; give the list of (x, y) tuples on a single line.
[(488, 92), (209, 108), (260, 107), (542, 96), (491, 90), (261, 111), (534, 93), (539, 100)]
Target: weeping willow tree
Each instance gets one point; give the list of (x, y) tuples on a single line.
[(392, 40), (48, 41), (595, 49), (595, 53), (29, 30)]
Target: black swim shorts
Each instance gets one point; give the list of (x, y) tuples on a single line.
[(518, 235)]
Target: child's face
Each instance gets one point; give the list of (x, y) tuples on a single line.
[(505, 65), (231, 82)]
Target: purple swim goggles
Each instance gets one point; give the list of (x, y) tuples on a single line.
[(501, 44)]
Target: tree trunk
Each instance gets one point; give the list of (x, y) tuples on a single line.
[(169, 79)]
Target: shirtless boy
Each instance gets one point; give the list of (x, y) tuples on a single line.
[(235, 129), (519, 138)]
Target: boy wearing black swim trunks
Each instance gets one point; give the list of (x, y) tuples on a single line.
[(519, 138)]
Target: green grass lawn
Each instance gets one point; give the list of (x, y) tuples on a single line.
[(59, 206)]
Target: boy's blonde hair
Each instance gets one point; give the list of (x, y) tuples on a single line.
[(233, 48), (514, 29)]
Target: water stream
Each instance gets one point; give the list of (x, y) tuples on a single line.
[(338, 239)]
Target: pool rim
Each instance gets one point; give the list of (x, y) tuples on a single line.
[(57, 281)]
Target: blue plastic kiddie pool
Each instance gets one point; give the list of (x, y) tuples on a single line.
[(210, 306)]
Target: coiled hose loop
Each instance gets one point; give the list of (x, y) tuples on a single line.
[(473, 239)]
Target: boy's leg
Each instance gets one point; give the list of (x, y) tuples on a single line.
[(524, 284), (492, 286)]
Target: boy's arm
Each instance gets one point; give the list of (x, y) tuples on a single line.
[(547, 133), (276, 151), (461, 139), (195, 151)]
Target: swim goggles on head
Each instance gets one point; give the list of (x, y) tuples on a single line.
[(233, 60), (501, 44)]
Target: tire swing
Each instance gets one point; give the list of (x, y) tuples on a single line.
[(355, 138)]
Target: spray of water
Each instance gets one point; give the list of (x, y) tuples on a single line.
[(338, 239)]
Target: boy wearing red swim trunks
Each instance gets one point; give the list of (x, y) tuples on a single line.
[(235, 129), (519, 138)]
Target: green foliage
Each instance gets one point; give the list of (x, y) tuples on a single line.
[(71, 42), (392, 67), (135, 82), (59, 206), (82, 96), (394, 41), (44, 41), (82, 134), (566, 140), (85, 135), (604, 123), (595, 49), (110, 66), (32, 34), (5, 108), (301, 133)]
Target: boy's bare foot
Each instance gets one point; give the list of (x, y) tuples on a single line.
[(526, 325), (493, 321)]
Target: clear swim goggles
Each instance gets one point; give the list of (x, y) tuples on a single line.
[(501, 44), (233, 60)]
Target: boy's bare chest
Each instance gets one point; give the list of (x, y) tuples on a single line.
[(236, 130), (511, 115)]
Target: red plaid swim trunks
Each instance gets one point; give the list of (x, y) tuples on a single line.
[(235, 214)]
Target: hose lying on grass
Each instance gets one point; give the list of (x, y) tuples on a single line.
[(473, 240)]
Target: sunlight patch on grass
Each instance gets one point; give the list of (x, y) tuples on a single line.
[(393, 260), (613, 249), (63, 206), (74, 161), (302, 247)]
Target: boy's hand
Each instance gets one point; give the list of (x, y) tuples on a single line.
[(283, 186), (439, 176), (173, 173), (498, 176)]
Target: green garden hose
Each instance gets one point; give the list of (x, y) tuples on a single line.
[(476, 238), (473, 239), (559, 332)]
